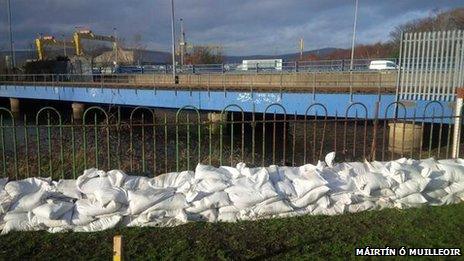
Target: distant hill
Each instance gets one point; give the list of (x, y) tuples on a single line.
[(286, 57)]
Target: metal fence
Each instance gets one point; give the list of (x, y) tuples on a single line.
[(432, 65), (338, 65), (48, 142)]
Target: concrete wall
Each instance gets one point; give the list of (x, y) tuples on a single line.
[(335, 79)]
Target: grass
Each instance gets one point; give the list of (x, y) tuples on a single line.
[(298, 237)]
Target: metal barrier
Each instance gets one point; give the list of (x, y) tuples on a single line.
[(373, 80), (142, 140)]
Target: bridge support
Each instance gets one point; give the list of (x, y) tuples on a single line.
[(216, 119), (14, 107), (78, 111)]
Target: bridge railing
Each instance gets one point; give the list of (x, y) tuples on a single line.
[(49, 142), (339, 65), (309, 81)]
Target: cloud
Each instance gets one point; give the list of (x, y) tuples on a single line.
[(241, 26)]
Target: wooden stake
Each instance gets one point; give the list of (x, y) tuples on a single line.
[(117, 248)]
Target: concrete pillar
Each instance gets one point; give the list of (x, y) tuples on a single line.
[(404, 137), (14, 107), (216, 119), (78, 111)]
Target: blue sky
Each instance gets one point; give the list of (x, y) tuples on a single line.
[(241, 26)]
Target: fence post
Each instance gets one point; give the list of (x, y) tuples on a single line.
[(457, 122), (117, 248)]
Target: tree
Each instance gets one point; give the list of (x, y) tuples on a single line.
[(204, 55)]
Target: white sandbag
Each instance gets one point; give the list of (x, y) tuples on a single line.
[(92, 180), (436, 194), (28, 202), (136, 183), (211, 172), (100, 224), (272, 207), (329, 158), (3, 181), (454, 172), (413, 199), (175, 202), (429, 163), (26, 186), (20, 225), (140, 200), (323, 202), (68, 187), (78, 219), (450, 199), (227, 217), (172, 180), (456, 188), (411, 186), (209, 215), (285, 188), (52, 210), (211, 185), (64, 221), (244, 194), (15, 216), (369, 182), (303, 186), (105, 195), (363, 206), (5, 202), (292, 173), (215, 200), (92, 208), (117, 178), (310, 197), (159, 218)]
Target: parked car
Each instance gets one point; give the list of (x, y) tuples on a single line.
[(382, 65)]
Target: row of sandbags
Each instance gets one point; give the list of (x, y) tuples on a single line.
[(99, 200)]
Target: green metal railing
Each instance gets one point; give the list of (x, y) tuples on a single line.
[(150, 142)]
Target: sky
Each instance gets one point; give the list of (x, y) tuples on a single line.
[(242, 27)]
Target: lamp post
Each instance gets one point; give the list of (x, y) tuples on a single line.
[(12, 52), (115, 46), (64, 45), (173, 48), (352, 49), (354, 34)]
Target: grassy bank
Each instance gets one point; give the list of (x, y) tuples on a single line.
[(306, 236)]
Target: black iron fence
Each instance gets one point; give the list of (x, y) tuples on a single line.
[(143, 140)]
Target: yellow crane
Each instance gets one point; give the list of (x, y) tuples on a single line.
[(41, 42), (89, 35)]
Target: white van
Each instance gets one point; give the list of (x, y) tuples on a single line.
[(382, 65)]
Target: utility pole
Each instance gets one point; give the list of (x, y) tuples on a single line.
[(64, 45), (12, 52), (301, 48), (115, 46), (173, 36), (182, 42), (352, 49)]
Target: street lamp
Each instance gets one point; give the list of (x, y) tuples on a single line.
[(354, 34), (64, 45), (173, 39), (352, 49), (12, 52), (115, 46)]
